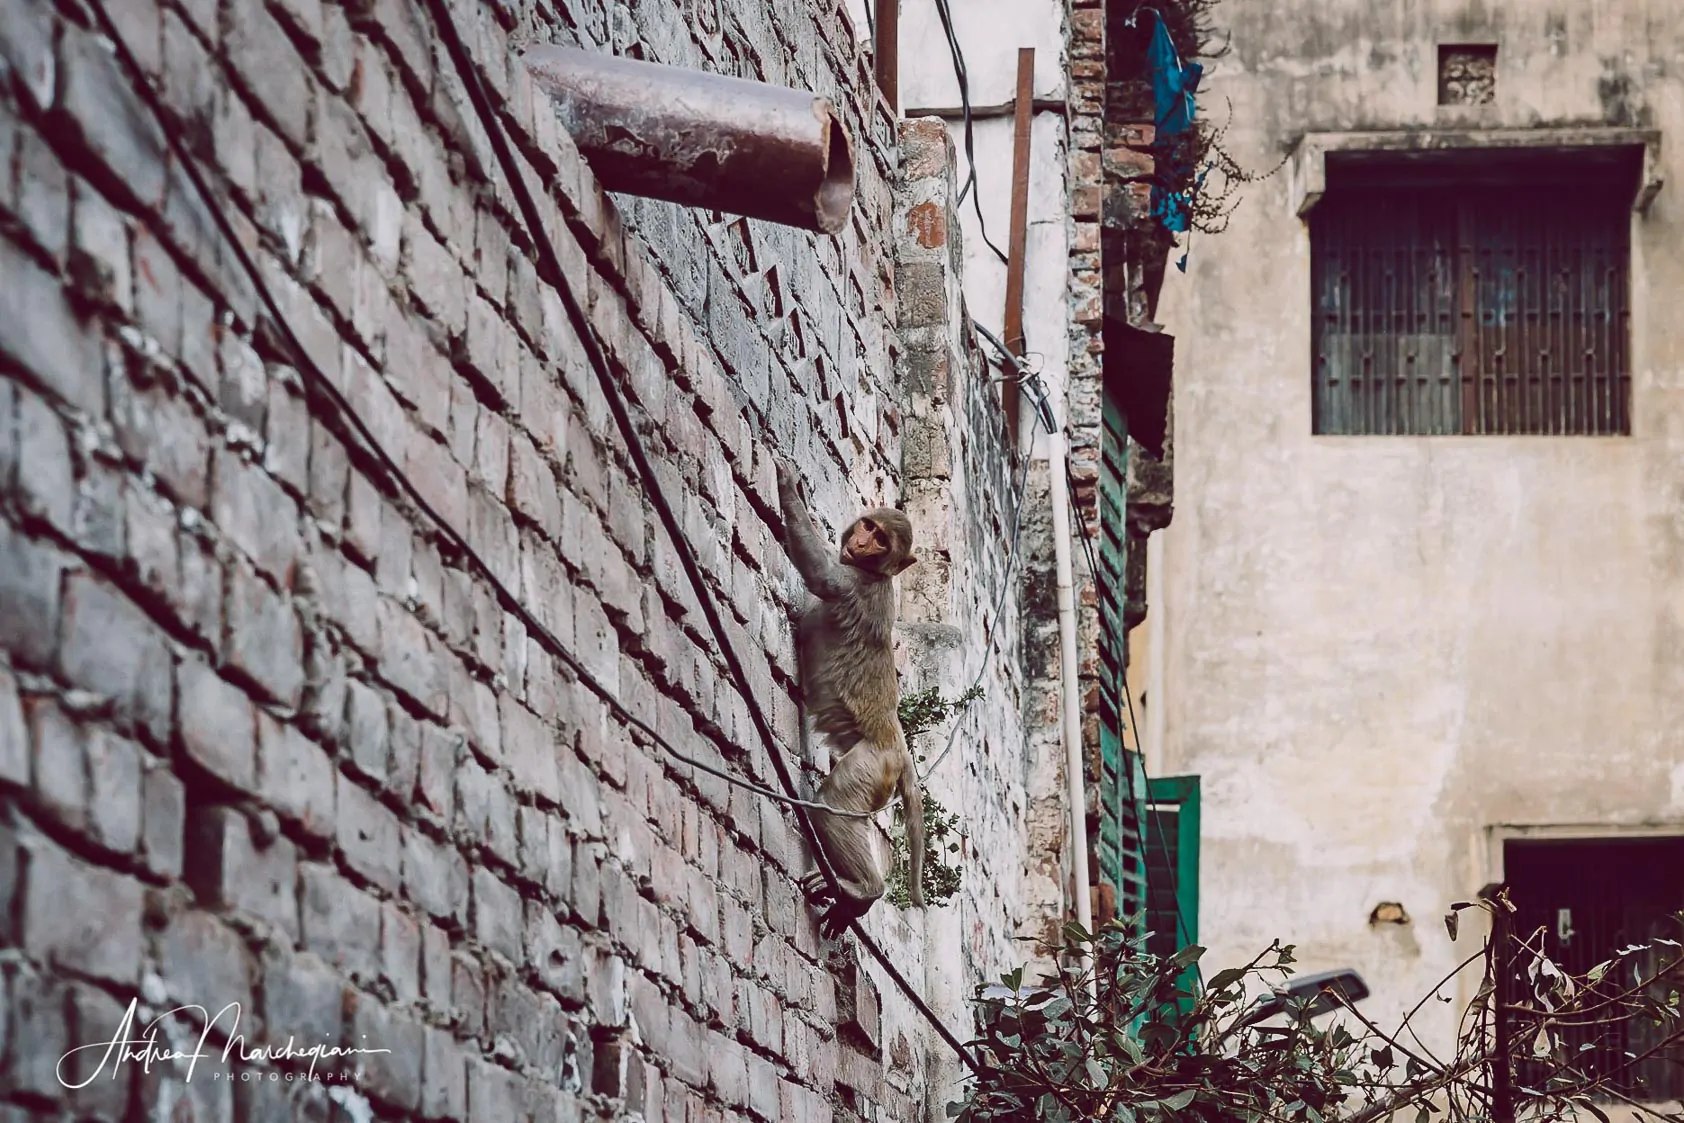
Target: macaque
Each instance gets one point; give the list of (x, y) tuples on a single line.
[(844, 646)]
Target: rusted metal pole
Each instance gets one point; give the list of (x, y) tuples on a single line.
[(705, 140), (1502, 1065), (1018, 244), (886, 48)]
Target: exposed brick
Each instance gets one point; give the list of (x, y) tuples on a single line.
[(303, 999), (392, 1077), (30, 580), (367, 730), (435, 876), (115, 791), (94, 1015), (253, 510), (409, 658), (496, 915), (205, 962), (529, 748), (295, 776), (369, 835), (60, 767), (341, 923), (229, 868), (163, 821), (400, 953), (262, 58), (112, 648), (218, 726), (467, 993), (14, 734), (43, 201), (101, 935), (108, 117), (444, 1087), (264, 640), (165, 433), (555, 953), (435, 278), (401, 25)]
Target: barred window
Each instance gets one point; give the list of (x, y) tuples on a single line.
[(1449, 302)]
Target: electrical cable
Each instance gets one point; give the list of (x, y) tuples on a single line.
[(551, 262), (994, 623), (962, 73), (1044, 417)]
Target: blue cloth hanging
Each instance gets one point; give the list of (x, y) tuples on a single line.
[(1173, 84)]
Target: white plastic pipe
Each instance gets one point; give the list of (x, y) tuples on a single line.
[(1069, 682)]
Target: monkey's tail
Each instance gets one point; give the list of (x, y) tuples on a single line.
[(912, 795)]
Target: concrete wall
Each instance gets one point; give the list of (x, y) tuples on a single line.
[(263, 740), (1375, 649)]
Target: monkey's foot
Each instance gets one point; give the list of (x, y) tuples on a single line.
[(835, 920)]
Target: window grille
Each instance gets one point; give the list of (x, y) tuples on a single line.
[(1476, 308)]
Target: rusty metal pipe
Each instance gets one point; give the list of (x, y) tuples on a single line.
[(702, 139)]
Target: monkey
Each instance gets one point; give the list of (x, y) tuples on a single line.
[(846, 661)]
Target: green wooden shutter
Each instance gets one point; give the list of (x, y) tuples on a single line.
[(1172, 848), (1122, 855), (1172, 864)]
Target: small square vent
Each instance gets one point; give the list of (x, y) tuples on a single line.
[(1467, 73)]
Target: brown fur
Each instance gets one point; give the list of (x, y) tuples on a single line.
[(845, 645)]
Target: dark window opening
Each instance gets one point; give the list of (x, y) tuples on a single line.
[(1481, 296), (1591, 898)]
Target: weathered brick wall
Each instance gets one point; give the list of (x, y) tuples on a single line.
[(963, 486), (264, 737)]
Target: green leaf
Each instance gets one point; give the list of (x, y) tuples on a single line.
[(1222, 980), (1186, 956)]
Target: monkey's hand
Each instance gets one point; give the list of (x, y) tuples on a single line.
[(789, 483)]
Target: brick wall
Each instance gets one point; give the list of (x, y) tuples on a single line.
[(963, 486), (264, 737)]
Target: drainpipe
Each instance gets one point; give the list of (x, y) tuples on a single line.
[(1069, 685), (705, 140)]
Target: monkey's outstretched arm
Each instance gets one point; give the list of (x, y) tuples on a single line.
[(826, 577)]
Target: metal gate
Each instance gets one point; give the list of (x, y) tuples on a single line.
[(1592, 897)]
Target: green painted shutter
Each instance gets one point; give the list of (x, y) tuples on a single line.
[(1172, 848), (1172, 864), (1122, 856)]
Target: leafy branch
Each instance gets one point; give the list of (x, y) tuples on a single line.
[(1144, 1046), (943, 840)]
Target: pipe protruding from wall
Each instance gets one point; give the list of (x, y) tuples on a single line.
[(704, 140)]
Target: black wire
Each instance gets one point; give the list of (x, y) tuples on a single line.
[(551, 263), (962, 73), (994, 623), (548, 258)]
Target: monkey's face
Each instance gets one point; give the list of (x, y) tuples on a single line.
[(879, 542)]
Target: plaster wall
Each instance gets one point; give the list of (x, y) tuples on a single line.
[(1376, 650)]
